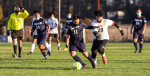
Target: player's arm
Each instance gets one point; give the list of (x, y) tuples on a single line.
[(9, 26), (48, 29), (131, 28), (25, 13), (144, 22), (90, 27), (65, 32), (118, 26)]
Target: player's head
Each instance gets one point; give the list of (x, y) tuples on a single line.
[(37, 14), (139, 12), (69, 14), (99, 15), (52, 14), (76, 19), (16, 9)]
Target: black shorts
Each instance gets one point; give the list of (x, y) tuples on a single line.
[(98, 43), (55, 35), (35, 37), (17, 34)]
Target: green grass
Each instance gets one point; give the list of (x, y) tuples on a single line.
[(121, 62)]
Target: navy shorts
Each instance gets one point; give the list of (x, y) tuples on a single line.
[(41, 39), (138, 36), (75, 47)]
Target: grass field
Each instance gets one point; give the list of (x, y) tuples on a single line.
[(121, 62)]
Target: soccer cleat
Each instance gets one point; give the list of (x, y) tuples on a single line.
[(14, 55), (104, 60), (65, 48), (19, 56), (136, 51), (49, 52), (30, 53), (140, 52), (46, 57), (85, 66), (59, 48)]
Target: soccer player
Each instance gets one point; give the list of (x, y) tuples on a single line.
[(139, 23), (40, 25), (101, 36), (75, 30), (53, 22), (35, 37), (68, 22), (16, 24)]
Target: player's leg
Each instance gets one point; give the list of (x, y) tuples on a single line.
[(42, 48), (73, 49), (67, 43), (135, 39), (88, 56), (57, 39), (49, 41), (48, 51), (33, 45), (15, 48), (19, 46), (94, 51), (141, 42), (101, 48)]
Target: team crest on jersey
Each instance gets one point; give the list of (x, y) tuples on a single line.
[(103, 23), (77, 26)]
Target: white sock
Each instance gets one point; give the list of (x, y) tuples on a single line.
[(103, 55), (49, 47), (58, 44), (32, 47), (46, 45)]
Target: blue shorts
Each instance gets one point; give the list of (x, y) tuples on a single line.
[(41, 39), (81, 47), (138, 36)]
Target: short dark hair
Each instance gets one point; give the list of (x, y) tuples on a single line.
[(68, 12), (53, 12), (99, 13), (76, 17), (37, 11)]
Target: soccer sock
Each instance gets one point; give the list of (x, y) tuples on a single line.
[(58, 44), (44, 54), (91, 60), (66, 46), (103, 55), (94, 53), (46, 48), (32, 47), (76, 58), (49, 47), (135, 44), (46, 45), (20, 47), (141, 45), (15, 48)]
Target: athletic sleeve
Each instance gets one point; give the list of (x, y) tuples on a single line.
[(25, 14), (9, 23), (144, 20), (65, 31), (32, 21), (133, 22), (85, 25), (93, 30), (46, 23), (109, 22), (56, 23), (33, 27)]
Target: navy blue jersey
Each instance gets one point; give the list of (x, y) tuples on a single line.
[(69, 21), (40, 26), (139, 24), (76, 32)]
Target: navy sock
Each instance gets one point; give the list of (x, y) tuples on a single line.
[(44, 54), (15, 49), (66, 46), (135, 45), (91, 60), (141, 45), (76, 58)]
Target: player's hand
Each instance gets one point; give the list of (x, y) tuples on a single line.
[(21, 7), (131, 31), (122, 32), (29, 31), (47, 32), (143, 32), (8, 33)]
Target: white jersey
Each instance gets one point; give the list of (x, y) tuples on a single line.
[(35, 33), (102, 31), (53, 23)]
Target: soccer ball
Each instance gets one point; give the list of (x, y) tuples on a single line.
[(77, 65)]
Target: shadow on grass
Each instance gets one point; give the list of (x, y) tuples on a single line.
[(38, 68)]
